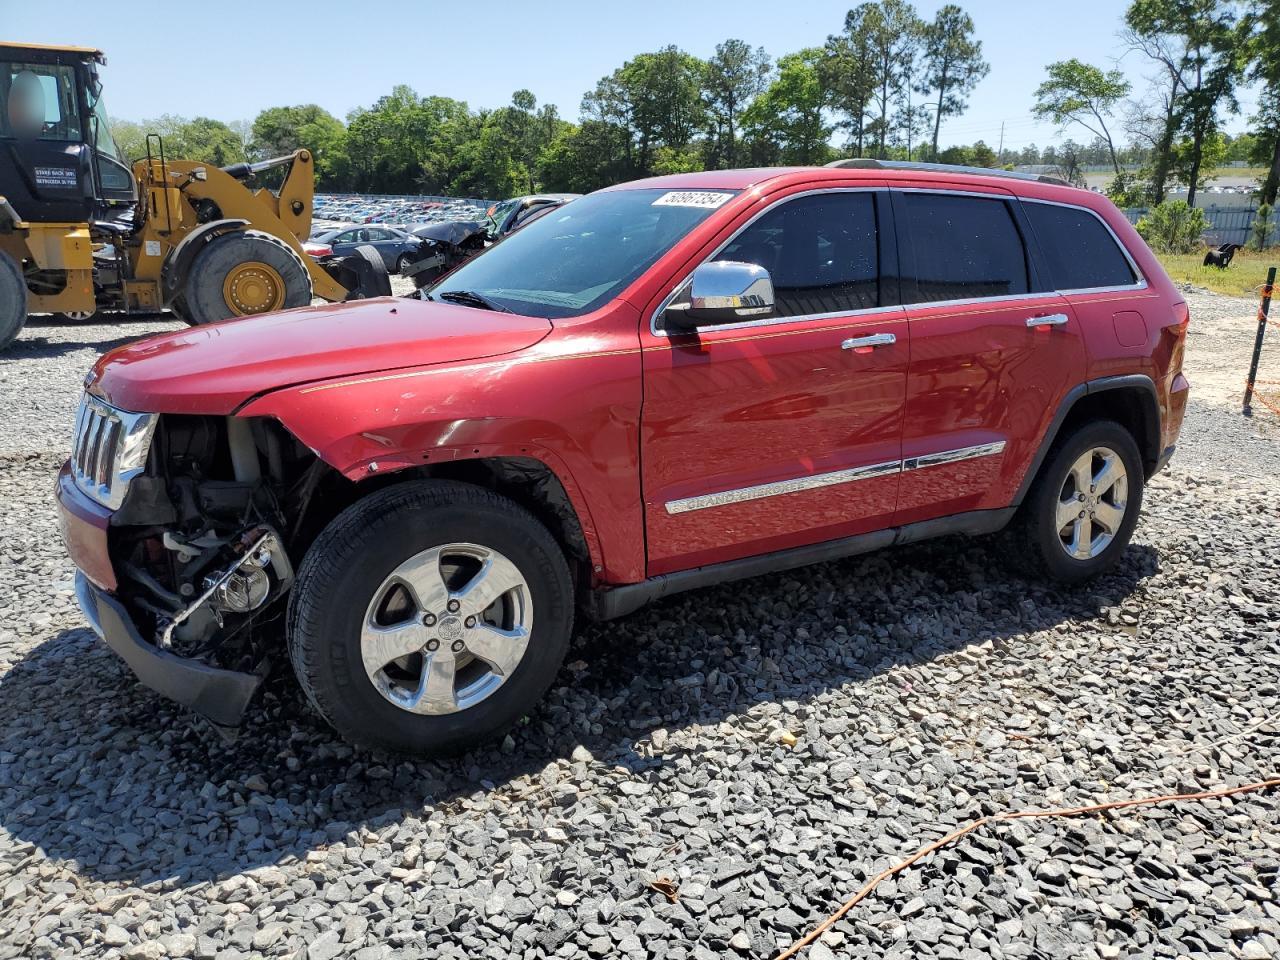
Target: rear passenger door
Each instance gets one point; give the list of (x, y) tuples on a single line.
[(993, 350)]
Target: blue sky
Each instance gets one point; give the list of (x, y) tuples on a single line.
[(232, 58)]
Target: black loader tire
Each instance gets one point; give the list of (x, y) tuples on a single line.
[(362, 272), (202, 299), (13, 300), (347, 566)]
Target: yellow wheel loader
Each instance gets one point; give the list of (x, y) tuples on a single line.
[(82, 230)]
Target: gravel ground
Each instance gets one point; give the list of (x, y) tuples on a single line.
[(766, 747)]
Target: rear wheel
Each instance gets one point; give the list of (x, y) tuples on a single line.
[(1082, 509), (78, 316), (429, 617), (241, 274), (13, 300)]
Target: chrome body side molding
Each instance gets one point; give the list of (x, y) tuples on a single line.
[(777, 489), (815, 481)]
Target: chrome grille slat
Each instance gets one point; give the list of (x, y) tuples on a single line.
[(109, 449)]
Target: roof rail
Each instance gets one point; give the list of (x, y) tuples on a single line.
[(868, 163)]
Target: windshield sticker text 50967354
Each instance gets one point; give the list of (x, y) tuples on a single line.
[(707, 200)]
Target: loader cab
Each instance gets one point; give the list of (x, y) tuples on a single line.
[(58, 161)]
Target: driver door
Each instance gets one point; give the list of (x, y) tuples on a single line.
[(768, 434)]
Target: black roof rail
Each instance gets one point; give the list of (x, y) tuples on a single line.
[(868, 163)]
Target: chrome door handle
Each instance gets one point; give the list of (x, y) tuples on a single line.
[(1052, 320), (874, 340)]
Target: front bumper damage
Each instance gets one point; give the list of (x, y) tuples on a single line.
[(219, 694)]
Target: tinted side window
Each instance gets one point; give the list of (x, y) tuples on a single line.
[(820, 251), (965, 247), (1079, 250)]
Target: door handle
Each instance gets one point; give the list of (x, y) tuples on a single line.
[(1052, 320), (874, 340)]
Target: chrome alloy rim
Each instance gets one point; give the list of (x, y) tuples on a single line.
[(446, 628), (1092, 503)]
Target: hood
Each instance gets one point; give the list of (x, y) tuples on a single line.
[(214, 369), (450, 231)]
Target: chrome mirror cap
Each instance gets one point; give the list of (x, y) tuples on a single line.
[(728, 289)]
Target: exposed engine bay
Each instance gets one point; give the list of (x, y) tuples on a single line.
[(199, 541)]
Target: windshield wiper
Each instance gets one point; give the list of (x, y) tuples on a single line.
[(470, 298)]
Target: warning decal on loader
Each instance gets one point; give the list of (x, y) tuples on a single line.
[(56, 177)]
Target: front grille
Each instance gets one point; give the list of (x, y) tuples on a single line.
[(109, 449)]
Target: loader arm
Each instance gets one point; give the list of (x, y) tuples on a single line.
[(172, 202)]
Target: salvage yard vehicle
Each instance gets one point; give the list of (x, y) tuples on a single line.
[(665, 385), (397, 248), (450, 243), (81, 230)]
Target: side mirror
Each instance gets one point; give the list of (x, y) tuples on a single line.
[(722, 291)]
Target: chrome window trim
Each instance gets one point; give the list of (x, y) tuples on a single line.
[(816, 481), (656, 331), (966, 301), (811, 482), (1139, 284), (995, 193)]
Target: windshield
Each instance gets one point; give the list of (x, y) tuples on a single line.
[(496, 214), (577, 258), (101, 126)]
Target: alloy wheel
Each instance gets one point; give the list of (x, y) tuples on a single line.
[(1092, 503), (446, 628)]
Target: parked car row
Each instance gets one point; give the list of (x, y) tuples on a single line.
[(430, 248), (359, 208)]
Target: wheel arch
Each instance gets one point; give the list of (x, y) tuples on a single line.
[(526, 473), (1131, 400), (177, 265)]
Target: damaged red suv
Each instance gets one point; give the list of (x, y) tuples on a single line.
[(663, 385)]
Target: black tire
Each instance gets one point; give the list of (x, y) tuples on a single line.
[(403, 263), (1034, 543), (345, 569), (202, 298), (13, 300)]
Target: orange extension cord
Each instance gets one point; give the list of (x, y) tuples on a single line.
[(1262, 399), (849, 904)]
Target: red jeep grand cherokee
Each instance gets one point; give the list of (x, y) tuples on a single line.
[(660, 386)]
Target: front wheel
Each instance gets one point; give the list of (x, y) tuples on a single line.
[(403, 263), (429, 617), (1083, 507), (240, 274)]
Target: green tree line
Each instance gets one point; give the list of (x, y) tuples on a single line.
[(1200, 52), (883, 85)]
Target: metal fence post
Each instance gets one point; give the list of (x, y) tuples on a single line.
[(1257, 343)]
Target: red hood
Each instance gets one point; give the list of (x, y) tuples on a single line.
[(215, 368)]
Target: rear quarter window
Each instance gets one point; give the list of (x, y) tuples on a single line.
[(1079, 251)]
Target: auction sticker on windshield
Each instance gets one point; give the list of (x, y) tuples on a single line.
[(692, 198)]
